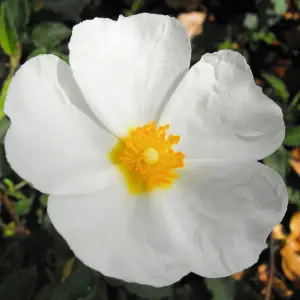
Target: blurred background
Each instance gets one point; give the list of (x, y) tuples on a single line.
[(35, 262)]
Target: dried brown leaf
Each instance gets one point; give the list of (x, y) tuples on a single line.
[(278, 233), (238, 275), (193, 22), (291, 259), (295, 225)]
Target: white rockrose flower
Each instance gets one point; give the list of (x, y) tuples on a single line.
[(132, 201)]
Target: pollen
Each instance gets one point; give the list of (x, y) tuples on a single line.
[(146, 158)]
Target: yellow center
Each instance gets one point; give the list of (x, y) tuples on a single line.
[(146, 158), (150, 156)]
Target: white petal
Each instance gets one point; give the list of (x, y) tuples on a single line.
[(120, 236), (220, 113), (53, 141), (225, 212), (128, 68)]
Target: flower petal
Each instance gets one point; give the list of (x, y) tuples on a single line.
[(225, 212), (128, 68), (119, 235), (220, 113), (54, 141)]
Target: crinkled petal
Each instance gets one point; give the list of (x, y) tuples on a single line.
[(225, 212), (128, 68), (54, 140), (220, 113), (121, 236)]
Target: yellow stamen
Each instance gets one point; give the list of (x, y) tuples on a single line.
[(146, 158)]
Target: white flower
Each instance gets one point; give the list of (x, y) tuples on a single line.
[(83, 134)]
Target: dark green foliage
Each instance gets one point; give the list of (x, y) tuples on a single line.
[(49, 35), (19, 285), (221, 289), (35, 262)]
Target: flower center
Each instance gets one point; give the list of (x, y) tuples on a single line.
[(150, 156), (146, 158)]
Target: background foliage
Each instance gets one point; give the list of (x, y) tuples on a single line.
[(35, 262)]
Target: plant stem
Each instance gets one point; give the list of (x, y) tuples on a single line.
[(15, 218), (20, 185), (272, 269)]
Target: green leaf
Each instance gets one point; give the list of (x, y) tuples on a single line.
[(114, 282), (279, 161), (294, 101), (10, 185), (9, 38), (49, 35), (68, 268), (265, 36), (143, 291), (221, 289), (79, 284), (45, 292), (19, 285), (62, 56), (182, 293), (294, 196), (3, 96), (37, 5), (3, 71), (23, 206), (9, 229), (99, 292), (37, 52), (292, 136), (43, 200), (135, 6), (148, 292), (278, 86), (123, 295), (18, 13), (226, 45), (269, 38), (40, 51), (4, 125), (251, 21), (14, 253), (5, 168), (279, 6), (69, 8), (269, 12)]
